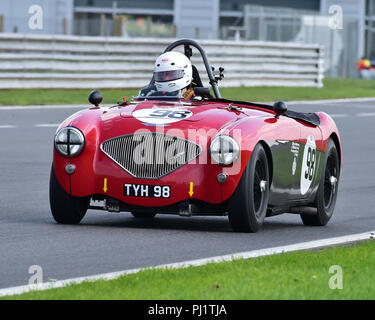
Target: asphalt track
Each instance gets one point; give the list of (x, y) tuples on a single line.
[(106, 242)]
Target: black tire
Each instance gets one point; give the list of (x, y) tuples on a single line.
[(65, 208), (327, 192), (248, 205), (143, 214)]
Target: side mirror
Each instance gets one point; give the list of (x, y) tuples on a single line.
[(280, 108), (202, 92), (95, 97)]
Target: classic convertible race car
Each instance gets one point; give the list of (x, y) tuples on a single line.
[(165, 153)]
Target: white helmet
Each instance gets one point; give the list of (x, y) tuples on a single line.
[(173, 71)]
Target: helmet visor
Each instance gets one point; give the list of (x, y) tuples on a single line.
[(163, 76)]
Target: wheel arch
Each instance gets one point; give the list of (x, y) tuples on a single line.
[(336, 141), (267, 149)]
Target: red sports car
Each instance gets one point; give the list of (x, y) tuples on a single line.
[(162, 153)]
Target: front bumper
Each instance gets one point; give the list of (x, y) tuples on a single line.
[(100, 176)]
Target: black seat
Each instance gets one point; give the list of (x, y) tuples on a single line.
[(196, 82)]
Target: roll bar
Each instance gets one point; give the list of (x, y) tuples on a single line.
[(188, 52)]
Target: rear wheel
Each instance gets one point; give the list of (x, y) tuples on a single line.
[(248, 204), (143, 214), (65, 208), (328, 187)]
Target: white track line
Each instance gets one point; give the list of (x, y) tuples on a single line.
[(48, 107), (7, 126), (332, 101), (199, 262), (46, 125), (366, 114), (339, 115)]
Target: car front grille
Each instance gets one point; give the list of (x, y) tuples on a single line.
[(150, 155)]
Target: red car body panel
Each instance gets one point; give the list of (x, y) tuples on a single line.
[(97, 174)]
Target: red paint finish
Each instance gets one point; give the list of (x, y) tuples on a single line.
[(248, 126)]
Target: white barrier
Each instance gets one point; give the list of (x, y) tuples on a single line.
[(46, 61)]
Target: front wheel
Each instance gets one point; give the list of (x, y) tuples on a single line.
[(65, 208), (248, 204), (328, 187)]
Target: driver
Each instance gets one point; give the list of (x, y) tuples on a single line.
[(173, 72)]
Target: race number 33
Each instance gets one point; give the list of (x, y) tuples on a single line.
[(308, 164)]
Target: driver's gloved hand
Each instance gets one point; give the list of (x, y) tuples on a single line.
[(145, 92)]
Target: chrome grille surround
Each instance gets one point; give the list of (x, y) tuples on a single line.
[(150, 155)]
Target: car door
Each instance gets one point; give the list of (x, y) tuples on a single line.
[(285, 148)]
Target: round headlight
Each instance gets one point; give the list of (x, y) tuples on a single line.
[(224, 150), (69, 141)]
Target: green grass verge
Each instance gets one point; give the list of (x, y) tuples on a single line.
[(333, 89), (297, 275)]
